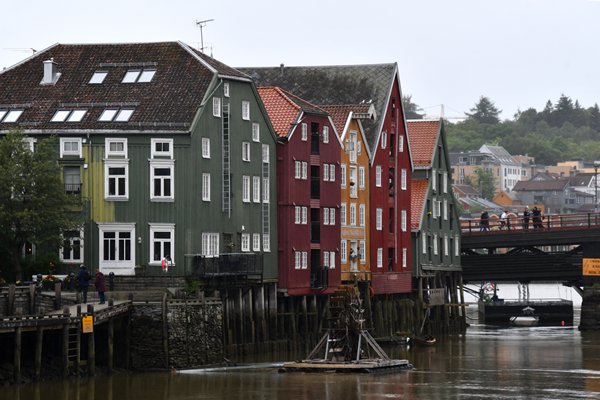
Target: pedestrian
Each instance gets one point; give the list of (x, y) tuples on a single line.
[(83, 281), (100, 283), (484, 223), (536, 215), (503, 219), (526, 218)]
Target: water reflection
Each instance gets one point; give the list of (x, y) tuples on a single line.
[(511, 363)]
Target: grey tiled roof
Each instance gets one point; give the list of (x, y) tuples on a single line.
[(168, 103), (332, 85)]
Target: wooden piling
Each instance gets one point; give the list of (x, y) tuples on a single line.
[(272, 306), (38, 352), (165, 332), (17, 354), (111, 339), (11, 300), (65, 347), (32, 297), (91, 361)]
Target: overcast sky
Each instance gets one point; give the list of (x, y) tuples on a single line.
[(519, 53)]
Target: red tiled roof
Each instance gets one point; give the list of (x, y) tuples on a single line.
[(166, 103), (418, 189), (423, 136)]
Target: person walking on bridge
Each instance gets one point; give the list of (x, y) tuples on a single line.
[(526, 218), (100, 283), (536, 215), (484, 221), (504, 220), (83, 281)]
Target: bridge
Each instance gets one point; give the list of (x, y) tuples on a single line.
[(553, 250)]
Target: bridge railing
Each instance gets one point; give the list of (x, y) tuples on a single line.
[(516, 222)]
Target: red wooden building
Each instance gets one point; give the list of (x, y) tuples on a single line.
[(308, 193)]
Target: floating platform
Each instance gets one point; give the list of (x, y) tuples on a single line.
[(363, 366), (544, 312)]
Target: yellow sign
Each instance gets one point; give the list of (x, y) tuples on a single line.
[(591, 267), (87, 324)]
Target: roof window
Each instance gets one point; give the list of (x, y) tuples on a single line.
[(68, 116), (10, 115), (98, 77), (116, 115), (139, 75)]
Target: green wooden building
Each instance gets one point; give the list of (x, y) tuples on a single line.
[(171, 151)]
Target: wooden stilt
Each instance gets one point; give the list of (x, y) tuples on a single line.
[(272, 304), (38, 352), (65, 350), (165, 332), (32, 301), (91, 361), (17, 359), (111, 338)]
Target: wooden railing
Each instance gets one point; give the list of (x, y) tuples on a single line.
[(518, 223)]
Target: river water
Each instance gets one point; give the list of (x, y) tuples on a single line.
[(487, 363)]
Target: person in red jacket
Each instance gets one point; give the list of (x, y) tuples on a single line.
[(100, 283)]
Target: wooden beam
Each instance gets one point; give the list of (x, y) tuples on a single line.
[(111, 338), (17, 358), (38, 352)]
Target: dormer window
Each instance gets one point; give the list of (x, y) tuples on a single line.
[(98, 77), (8, 116), (139, 75), (68, 116), (116, 115)]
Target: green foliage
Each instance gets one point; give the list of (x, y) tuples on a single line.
[(559, 132), (33, 205), (484, 112), (411, 110), (483, 182)]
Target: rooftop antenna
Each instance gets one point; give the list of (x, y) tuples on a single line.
[(202, 24)]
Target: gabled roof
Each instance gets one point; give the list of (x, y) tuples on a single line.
[(465, 189), (583, 179), (341, 84), (418, 189), (532, 186), (499, 153), (168, 103), (340, 113), (423, 136)]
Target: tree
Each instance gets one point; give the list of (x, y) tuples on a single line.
[(34, 207), (484, 112), (411, 110), (483, 181)]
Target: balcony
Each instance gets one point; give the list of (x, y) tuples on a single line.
[(233, 265), (73, 188)]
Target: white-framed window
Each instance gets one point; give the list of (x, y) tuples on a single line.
[(205, 147), (255, 132), (245, 151), (344, 251), (378, 176), (343, 175), (379, 219), (297, 260), (216, 106), (206, 186), (401, 143), (404, 257), (445, 209), (256, 189), (325, 172), (325, 259), (139, 75), (383, 140), (245, 242), (162, 148), (325, 134), (353, 214), (304, 136), (403, 182), (9, 116), (70, 147), (304, 260), (457, 245), (245, 110), (332, 216), (266, 243), (297, 169), (256, 242), (403, 220), (162, 180), (379, 257), (297, 215), (445, 182), (265, 190), (226, 89), (65, 116), (343, 214), (446, 250), (162, 243), (113, 114), (245, 188), (361, 177), (115, 148), (424, 243), (98, 77), (265, 153), (438, 208), (325, 216), (304, 170), (433, 180), (332, 260), (435, 244), (116, 180), (117, 248), (210, 244), (362, 253), (72, 248), (331, 172), (353, 182), (361, 214), (304, 215)]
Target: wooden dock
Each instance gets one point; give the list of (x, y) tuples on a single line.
[(362, 366)]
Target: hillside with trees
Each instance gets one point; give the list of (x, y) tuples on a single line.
[(561, 131)]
